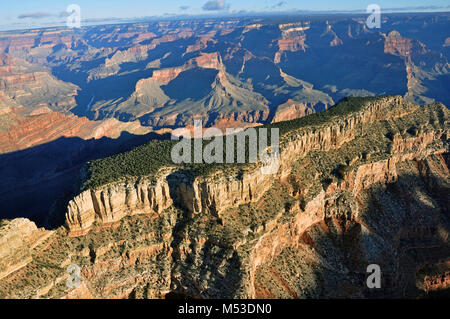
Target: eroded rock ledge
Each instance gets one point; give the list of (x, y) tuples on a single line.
[(214, 194), (367, 188), (17, 238)]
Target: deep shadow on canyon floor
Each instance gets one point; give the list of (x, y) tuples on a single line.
[(34, 180)]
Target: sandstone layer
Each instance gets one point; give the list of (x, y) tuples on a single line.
[(25, 129), (368, 187)]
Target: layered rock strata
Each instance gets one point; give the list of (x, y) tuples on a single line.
[(365, 188)]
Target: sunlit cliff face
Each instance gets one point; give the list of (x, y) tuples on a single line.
[(93, 205), (357, 190)]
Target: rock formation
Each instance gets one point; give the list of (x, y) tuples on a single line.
[(17, 240), (365, 182), (31, 85), (133, 72), (367, 187), (41, 126)]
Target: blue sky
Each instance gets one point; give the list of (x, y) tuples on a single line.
[(16, 14)]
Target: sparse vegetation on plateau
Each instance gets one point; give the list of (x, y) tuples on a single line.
[(147, 159)]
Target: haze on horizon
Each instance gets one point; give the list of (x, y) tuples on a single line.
[(44, 13)]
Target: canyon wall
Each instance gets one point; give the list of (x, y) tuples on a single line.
[(308, 231), (17, 239), (214, 194), (111, 203)]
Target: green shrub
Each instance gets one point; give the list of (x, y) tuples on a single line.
[(147, 159)]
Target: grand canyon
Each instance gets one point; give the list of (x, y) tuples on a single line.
[(86, 179)]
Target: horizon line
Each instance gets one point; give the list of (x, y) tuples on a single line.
[(90, 22)]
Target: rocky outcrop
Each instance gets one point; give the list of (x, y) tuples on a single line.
[(292, 45), (155, 103), (111, 203), (124, 71), (205, 60), (291, 110), (364, 188), (328, 204), (361, 188), (397, 45), (18, 43), (17, 239), (437, 282), (43, 125), (33, 86), (138, 52), (214, 194), (201, 44), (293, 39)]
